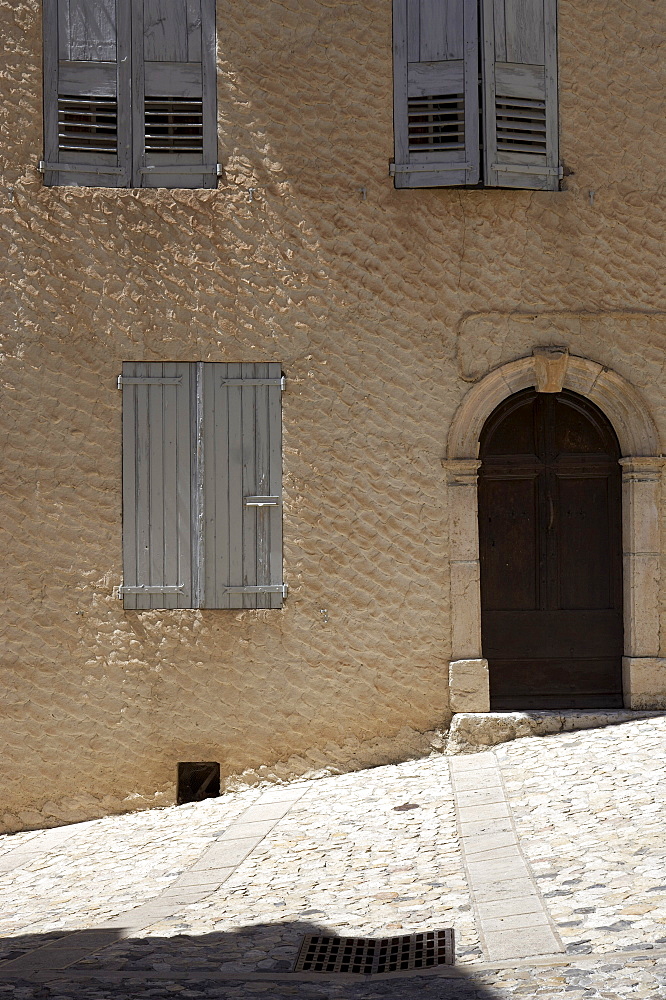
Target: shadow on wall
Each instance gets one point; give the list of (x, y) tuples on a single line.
[(103, 965)]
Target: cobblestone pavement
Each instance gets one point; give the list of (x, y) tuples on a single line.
[(370, 854)]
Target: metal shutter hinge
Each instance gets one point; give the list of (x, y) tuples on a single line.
[(145, 380), (143, 589), (241, 382), (272, 588)]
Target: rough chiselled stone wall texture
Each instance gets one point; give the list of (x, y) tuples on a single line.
[(374, 301)]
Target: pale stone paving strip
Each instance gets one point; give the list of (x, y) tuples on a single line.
[(512, 919), (589, 810), (207, 874), (342, 860), (105, 867)]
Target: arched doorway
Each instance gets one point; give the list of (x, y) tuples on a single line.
[(551, 553)]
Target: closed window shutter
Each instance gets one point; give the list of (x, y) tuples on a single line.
[(202, 471), (174, 93), (242, 434), (159, 479), (436, 101), (520, 93), (86, 88)]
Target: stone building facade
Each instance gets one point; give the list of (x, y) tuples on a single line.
[(400, 319)]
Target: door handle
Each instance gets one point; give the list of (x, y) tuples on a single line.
[(551, 513)]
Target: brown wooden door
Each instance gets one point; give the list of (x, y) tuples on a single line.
[(551, 554)]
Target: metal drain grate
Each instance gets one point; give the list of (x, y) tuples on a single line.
[(371, 956)]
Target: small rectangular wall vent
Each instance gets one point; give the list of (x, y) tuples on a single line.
[(521, 125), (89, 124), (197, 780), (436, 123), (174, 125), (369, 956)]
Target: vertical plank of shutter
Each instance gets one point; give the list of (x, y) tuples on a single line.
[(129, 461), (235, 487), (203, 45), (181, 535), (144, 443), (124, 90), (400, 58), (54, 22), (157, 402), (197, 479), (472, 57), (215, 555), (138, 79), (195, 16), (262, 485), (413, 30), (64, 29), (249, 473), (520, 94), (491, 10), (170, 571), (275, 481), (499, 31), (552, 95)]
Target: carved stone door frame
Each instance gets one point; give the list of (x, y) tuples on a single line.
[(551, 370)]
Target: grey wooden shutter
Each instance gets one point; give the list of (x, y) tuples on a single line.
[(242, 447), (160, 506), (436, 99), (86, 92), (174, 93), (520, 93)]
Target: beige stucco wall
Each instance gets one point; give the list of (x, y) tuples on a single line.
[(376, 302)]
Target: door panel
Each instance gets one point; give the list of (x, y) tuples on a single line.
[(511, 542), (551, 554)]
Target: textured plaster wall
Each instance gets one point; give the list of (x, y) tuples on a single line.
[(382, 306)]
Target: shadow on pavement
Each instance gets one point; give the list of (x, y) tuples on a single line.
[(252, 961)]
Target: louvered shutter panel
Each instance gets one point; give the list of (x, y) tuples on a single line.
[(174, 93), (160, 505), (436, 99), (520, 93), (86, 92), (242, 447)]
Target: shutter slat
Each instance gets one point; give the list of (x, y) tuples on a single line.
[(159, 417), (435, 65), (171, 571), (273, 516), (520, 93), (235, 480), (248, 442), (261, 515)]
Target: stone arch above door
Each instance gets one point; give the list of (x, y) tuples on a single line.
[(550, 370), (617, 398)]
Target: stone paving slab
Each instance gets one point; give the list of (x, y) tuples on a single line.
[(500, 866)]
